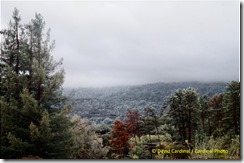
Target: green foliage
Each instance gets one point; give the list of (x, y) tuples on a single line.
[(232, 107), (33, 120), (60, 144), (16, 147), (183, 104), (231, 145), (204, 113), (139, 151), (151, 121), (34, 132), (234, 148), (45, 130)]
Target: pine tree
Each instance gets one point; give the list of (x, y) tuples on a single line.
[(34, 119), (12, 83), (183, 105), (146, 127), (216, 115), (232, 107), (152, 119), (203, 112)]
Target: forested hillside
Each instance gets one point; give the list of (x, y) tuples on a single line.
[(103, 105)]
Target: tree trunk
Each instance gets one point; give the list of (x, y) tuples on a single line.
[(135, 138), (203, 120), (158, 134), (189, 126), (17, 53), (183, 126), (235, 116), (209, 127), (39, 66), (31, 61)]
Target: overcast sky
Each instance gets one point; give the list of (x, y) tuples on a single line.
[(133, 42)]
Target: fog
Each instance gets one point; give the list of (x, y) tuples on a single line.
[(113, 43)]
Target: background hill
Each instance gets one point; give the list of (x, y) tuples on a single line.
[(103, 105)]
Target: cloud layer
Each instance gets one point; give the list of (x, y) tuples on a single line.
[(132, 42)]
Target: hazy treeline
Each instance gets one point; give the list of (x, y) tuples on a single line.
[(103, 105)]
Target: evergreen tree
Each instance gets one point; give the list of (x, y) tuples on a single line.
[(146, 127), (12, 82), (34, 118), (152, 119), (232, 107), (216, 115), (183, 106), (204, 112)]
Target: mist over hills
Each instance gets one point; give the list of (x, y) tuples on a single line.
[(103, 105)]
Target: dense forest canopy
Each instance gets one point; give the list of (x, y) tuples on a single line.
[(154, 121), (104, 105)]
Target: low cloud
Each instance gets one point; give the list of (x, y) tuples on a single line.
[(128, 43)]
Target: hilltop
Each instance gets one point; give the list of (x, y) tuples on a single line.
[(103, 105)]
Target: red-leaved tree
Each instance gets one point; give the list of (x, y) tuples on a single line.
[(120, 139), (132, 122)]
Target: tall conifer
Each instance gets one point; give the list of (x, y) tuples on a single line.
[(34, 118)]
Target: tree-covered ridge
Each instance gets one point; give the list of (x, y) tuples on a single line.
[(38, 121), (103, 105)]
